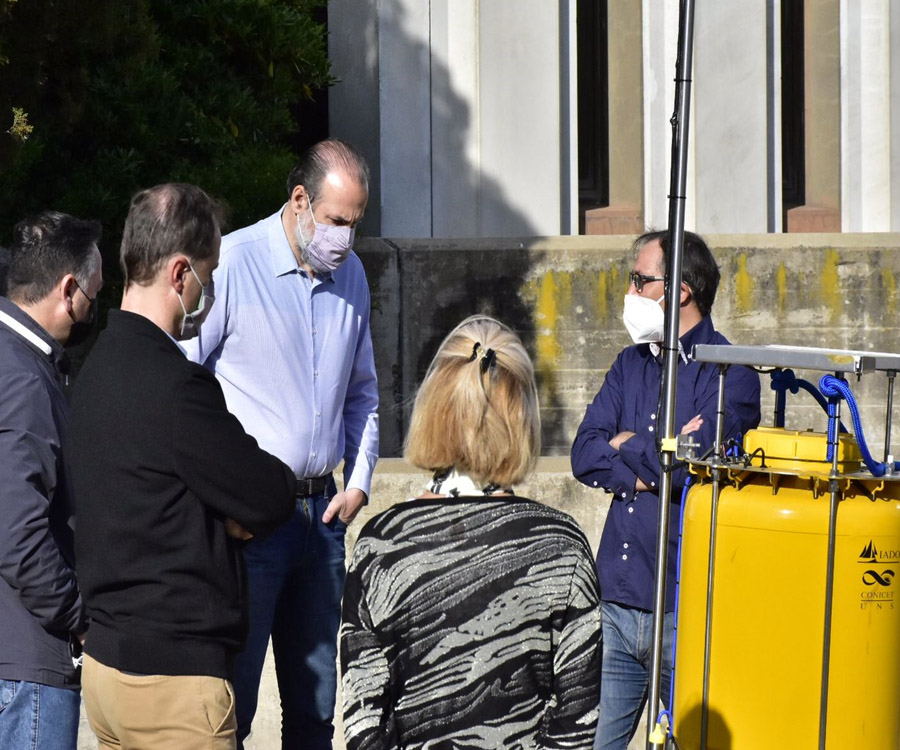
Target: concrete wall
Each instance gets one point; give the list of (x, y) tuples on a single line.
[(564, 297)]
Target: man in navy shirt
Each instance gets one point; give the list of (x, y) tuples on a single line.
[(616, 449)]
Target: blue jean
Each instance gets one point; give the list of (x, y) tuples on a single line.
[(296, 579), (38, 717), (627, 644)]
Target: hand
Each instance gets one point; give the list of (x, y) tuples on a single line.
[(617, 441), (236, 531), (693, 425), (345, 505), (640, 486)]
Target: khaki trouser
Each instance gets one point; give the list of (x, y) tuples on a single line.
[(150, 712)]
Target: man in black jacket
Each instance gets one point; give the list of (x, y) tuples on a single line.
[(165, 479), (54, 276)]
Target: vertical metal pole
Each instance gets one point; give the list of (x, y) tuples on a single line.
[(711, 567), (680, 129), (887, 419), (834, 498)]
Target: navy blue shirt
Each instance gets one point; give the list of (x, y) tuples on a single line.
[(628, 401)]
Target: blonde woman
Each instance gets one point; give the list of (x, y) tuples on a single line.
[(471, 615)]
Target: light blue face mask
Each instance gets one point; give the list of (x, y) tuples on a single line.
[(329, 246), (190, 324)]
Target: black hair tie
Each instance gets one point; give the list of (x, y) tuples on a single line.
[(488, 360), (475, 351)]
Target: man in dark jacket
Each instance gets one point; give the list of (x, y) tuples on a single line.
[(54, 277), (165, 480)]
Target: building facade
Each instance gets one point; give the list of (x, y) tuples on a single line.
[(544, 117)]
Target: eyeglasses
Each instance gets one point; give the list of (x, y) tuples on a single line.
[(639, 279), (89, 299), (92, 300)]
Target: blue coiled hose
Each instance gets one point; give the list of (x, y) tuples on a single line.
[(783, 381), (834, 389)]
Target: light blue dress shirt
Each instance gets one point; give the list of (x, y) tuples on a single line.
[(294, 354)]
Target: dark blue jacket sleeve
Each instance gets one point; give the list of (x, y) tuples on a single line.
[(742, 413), (594, 462), (30, 560)]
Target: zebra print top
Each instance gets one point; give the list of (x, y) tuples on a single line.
[(471, 623)]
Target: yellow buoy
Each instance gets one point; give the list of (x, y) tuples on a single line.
[(768, 604)]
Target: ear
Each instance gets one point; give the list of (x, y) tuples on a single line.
[(66, 289), (177, 267), (686, 294), (299, 199)]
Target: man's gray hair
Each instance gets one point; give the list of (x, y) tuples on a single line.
[(326, 157)]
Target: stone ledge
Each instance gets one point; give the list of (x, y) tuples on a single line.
[(620, 219), (813, 219)]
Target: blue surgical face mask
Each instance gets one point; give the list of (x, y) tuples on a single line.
[(329, 246), (190, 324)]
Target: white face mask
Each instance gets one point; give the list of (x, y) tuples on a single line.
[(644, 319), (190, 324)]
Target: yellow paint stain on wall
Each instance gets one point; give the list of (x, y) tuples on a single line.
[(889, 282), (831, 284), (607, 290), (546, 319), (743, 286), (781, 286), (601, 303)]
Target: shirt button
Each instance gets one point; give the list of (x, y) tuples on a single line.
[(624, 494), (625, 545), (314, 331), (314, 454), (653, 484), (315, 373), (318, 414), (630, 510), (653, 416), (624, 557), (595, 484), (650, 428)]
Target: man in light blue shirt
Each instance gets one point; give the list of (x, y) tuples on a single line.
[(289, 340)]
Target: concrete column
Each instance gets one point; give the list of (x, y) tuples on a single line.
[(624, 214), (660, 29), (729, 121), (865, 116), (353, 102), (822, 84), (520, 117), (895, 114), (455, 117), (774, 190), (405, 118)]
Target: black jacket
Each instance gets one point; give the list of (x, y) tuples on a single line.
[(39, 601), (157, 465)]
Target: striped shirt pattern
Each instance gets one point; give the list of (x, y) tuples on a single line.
[(471, 623)]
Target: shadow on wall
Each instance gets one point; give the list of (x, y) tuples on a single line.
[(449, 286)]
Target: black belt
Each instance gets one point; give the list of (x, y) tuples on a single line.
[(309, 486)]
